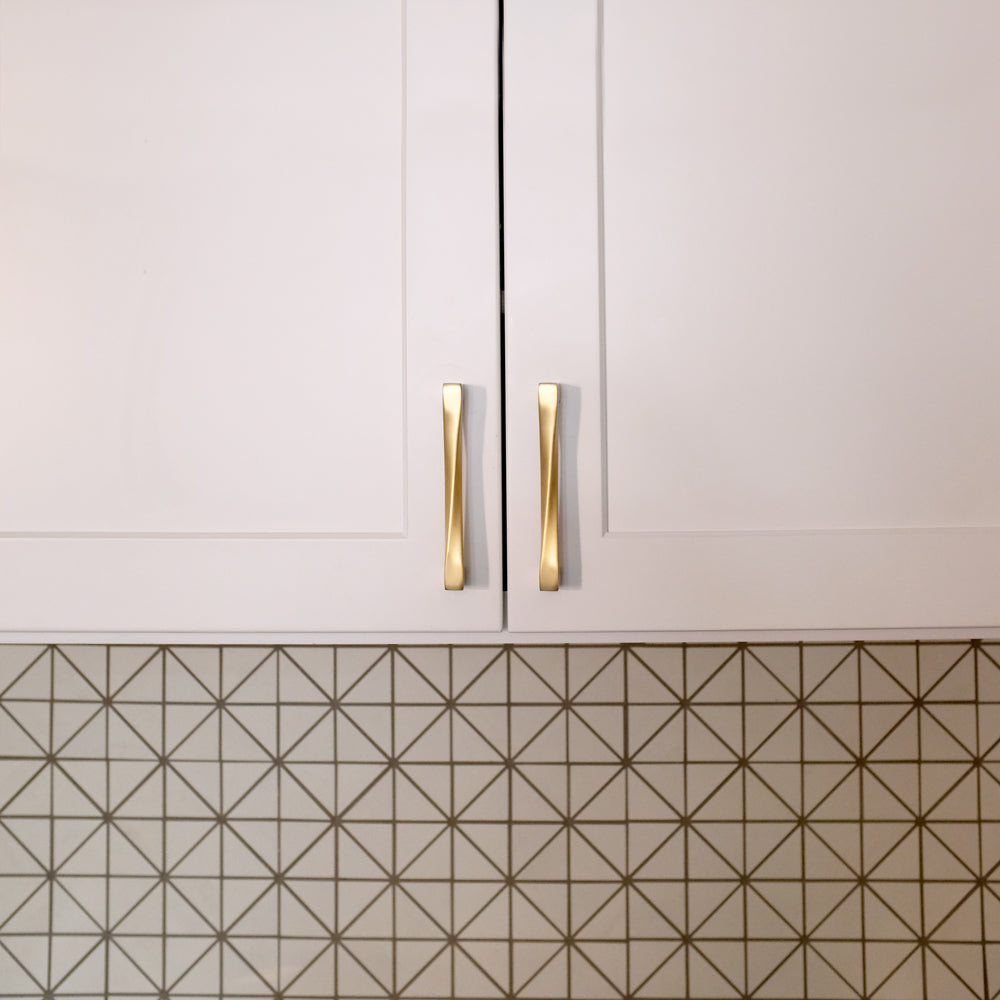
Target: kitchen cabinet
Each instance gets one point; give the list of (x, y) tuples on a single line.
[(244, 243), (757, 244), (751, 247)]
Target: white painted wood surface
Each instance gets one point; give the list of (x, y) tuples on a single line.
[(758, 246), (243, 244)]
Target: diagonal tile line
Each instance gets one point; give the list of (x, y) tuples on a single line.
[(652, 788), (79, 847), (638, 888), (870, 887), (870, 868), (135, 790), (305, 906), (371, 972), (561, 950), (813, 950), (815, 831), (501, 889), (283, 651), (23, 967), (778, 912), (737, 887), (357, 916), (560, 712), (249, 732), (850, 651), (416, 975), (926, 694), (572, 711), (287, 772), (288, 987), (739, 989), (156, 986), (973, 889), (155, 884), (929, 709), (794, 710), (421, 674), (895, 969), (423, 732), (98, 694), (43, 884), (752, 769), (461, 831), (83, 958), (327, 827), (696, 832), (437, 836), (135, 673), (539, 911), (551, 840), (756, 990), (228, 929), (212, 710), (715, 673), (852, 887), (98, 809), (559, 812), (479, 732), (357, 798), (357, 680), (10, 833), (328, 713), (98, 709), (634, 651), (727, 743), (577, 950), (172, 870), (614, 777), (885, 736), (812, 812), (236, 833), (556, 694), (793, 695), (635, 866), (853, 754), (869, 773), (579, 828), (271, 651), (344, 711), (463, 691), (971, 769), (16, 722), (953, 969), (656, 732), (495, 780), (618, 891), (136, 732), (97, 924), (211, 694), (346, 832), (169, 766), (45, 651), (888, 673), (715, 791), (638, 990), (472, 958), (600, 670), (213, 943)]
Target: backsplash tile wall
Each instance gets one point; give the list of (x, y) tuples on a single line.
[(817, 821)]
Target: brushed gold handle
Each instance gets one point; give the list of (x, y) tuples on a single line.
[(548, 448), (454, 520)]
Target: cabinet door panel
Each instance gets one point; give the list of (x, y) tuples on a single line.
[(244, 244), (758, 243)]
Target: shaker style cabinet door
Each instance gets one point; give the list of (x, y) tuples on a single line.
[(243, 245), (757, 244)]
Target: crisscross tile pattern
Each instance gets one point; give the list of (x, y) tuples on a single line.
[(793, 821)]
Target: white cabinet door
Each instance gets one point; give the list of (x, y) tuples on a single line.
[(758, 244), (243, 243)]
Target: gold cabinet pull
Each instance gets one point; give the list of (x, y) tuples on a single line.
[(548, 448), (454, 520)]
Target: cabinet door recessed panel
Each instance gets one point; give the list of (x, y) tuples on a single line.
[(202, 249)]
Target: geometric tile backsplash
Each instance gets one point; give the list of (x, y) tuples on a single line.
[(796, 821)]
